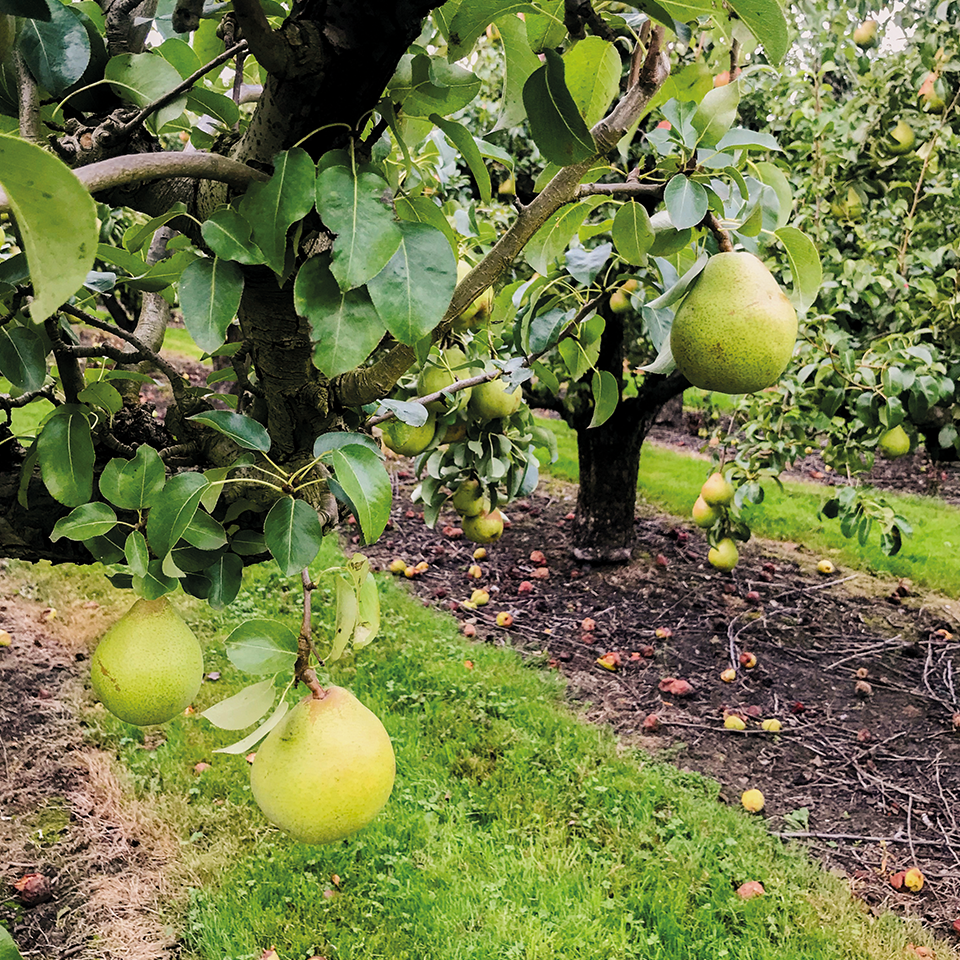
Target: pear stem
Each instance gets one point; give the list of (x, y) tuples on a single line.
[(723, 237), (302, 671)]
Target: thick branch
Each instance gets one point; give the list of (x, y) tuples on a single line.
[(28, 97), (266, 44)]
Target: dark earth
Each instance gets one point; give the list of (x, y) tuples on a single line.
[(862, 674)]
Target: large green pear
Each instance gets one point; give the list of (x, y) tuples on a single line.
[(407, 440), (325, 770), (442, 370), (492, 400), (735, 330), (148, 666)]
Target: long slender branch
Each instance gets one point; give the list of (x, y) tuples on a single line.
[(138, 167), (358, 387), (183, 86), (652, 191)]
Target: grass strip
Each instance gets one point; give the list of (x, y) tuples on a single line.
[(514, 830), (672, 480)]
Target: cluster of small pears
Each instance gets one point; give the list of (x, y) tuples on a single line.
[(480, 524), (323, 772), (709, 511)]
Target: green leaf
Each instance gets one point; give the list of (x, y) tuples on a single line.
[(8, 948), (136, 553), (519, 62), (336, 439), (546, 29), (552, 238), (273, 206), (412, 292), (293, 534), (632, 232), (368, 613), (172, 511), (686, 201), (766, 21), (740, 139), (262, 646), (593, 77), (226, 577), (243, 708), (777, 180), (345, 326), (23, 357), (425, 85), (142, 78), (138, 235), (86, 521), (56, 50), (59, 249), (203, 101), (471, 19), (155, 583), (210, 292), (205, 533), (555, 122), (364, 479), (463, 140), (348, 613), (230, 236), (102, 394), (804, 264), (424, 210), (606, 396), (243, 431), (248, 742), (367, 235), (134, 484), (716, 113), (66, 455)]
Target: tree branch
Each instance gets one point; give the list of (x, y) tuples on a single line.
[(265, 43), (138, 167), (28, 97)]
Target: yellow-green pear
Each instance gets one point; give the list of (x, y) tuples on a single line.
[(484, 527), (479, 311), (407, 440), (703, 514), (148, 666), (894, 443), (724, 556), (735, 330), (325, 770), (717, 491), (900, 138), (468, 499), (442, 370), (492, 399), (865, 35)]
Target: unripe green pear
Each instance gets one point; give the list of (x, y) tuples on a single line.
[(325, 770), (479, 311), (724, 556), (407, 440), (620, 298), (894, 443), (439, 372), (484, 527), (491, 400), (717, 491), (900, 138), (148, 666), (865, 35), (704, 515), (468, 499), (735, 330)]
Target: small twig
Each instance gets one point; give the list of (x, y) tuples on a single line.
[(28, 96), (722, 236), (302, 671), (653, 191), (813, 835)]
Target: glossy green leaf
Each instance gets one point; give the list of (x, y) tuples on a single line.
[(519, 62), (354, 208), (293, 534), (284, 199), (8, 948), (205, 533), (606, 396), (345, 326), (102, 394), (593, 76), (364, 479), (57, 50), (555, 122), (23, 358), (346, 618), (142, 78), (243, 431), (632, 232), (333, 441), (686, 201), (412, 292), (804, 265), (203, 101), (66, 455), (425, 210), (133, 484), (172, 511), (262, 646), (210, 292), (552, 238), (59, 249), (471, 19), (155, 583), (740, 139), (716, 113), (243, 708), (230, 236), (425, 85), (546, 29), (765, 19), (139, 235), (777, 180), (226, 578), (86, 521), (136, 553)]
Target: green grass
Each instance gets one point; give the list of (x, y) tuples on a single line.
[(671, 481), (514, 830)]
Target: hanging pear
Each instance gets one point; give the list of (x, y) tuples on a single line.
[(735, 330)]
